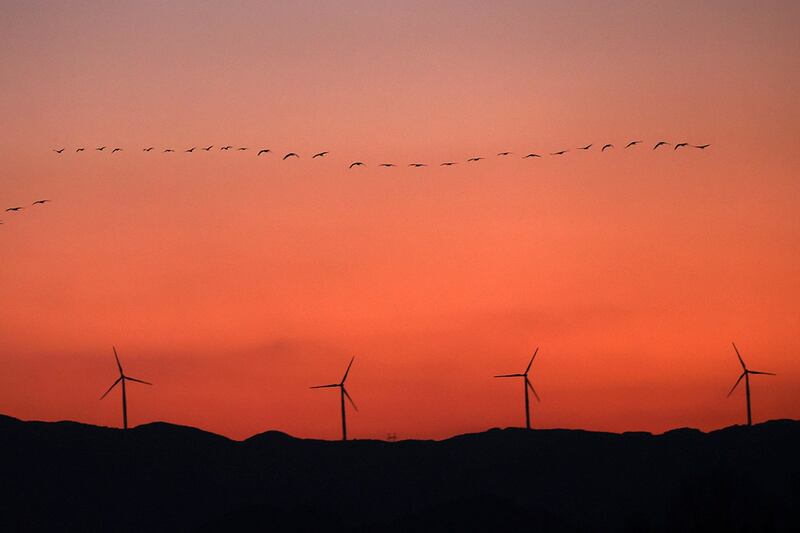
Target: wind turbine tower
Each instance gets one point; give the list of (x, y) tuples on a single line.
[(342, 394), (122, 379), (526, 384), (746, 375)]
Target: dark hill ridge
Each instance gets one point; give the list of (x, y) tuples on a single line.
[(70, 476)]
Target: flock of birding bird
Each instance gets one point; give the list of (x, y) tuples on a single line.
[(355, 164), (474, 159), (344, 395), (18, 208)]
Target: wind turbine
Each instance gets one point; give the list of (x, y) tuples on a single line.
[(526, 385), (122, 379), (342, 394), (746, 375)]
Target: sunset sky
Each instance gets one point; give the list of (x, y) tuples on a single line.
[(234, 282)]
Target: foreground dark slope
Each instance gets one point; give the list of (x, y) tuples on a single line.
[(161, 476)]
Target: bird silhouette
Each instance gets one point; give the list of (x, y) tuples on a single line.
[(702, 146), (290, 154), (263, 151), (504, 153), (417, 165), (190, 150), (40, 202), (319, 154), (448, 164), (168, 150), (660, 143), (207, 148), (116, 150), (531, 155), (632, 143), (14, 209), (147, 149), (242, 148), (226, 147), (58, 151), (356, 164), (100, 149), (387, 165), (603, 149), (472, 159), (80, 149), (585, 147), (679, 145), (560, 152)]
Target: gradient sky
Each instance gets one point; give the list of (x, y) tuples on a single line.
[(235, 282)]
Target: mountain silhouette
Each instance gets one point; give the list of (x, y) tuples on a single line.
[(160, 476)]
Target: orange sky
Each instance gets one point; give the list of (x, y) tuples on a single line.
[(235, 282)]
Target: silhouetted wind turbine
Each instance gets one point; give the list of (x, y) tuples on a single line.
[(746, 375), (343, 394), (526, 385), (122, 379)]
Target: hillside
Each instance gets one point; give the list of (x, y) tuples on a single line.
[(161, 476)]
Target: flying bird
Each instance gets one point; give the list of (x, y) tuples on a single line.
[(100, 149), (263, 151), (225, 147), (560, 152), (504, 153), (531, 155), (356, 164), (190, 150), (679, 145), (632, 143), (58, 151), (603, 149), (320, 154), (290, 154), (387, 165), (168, 150), (80, 149), (242, 148), (116, 150), (147, 149), (585, 147), (417, 165), (702, 146), (471, 159), (660, 143), (207, 148), (448, 164), (40, 202), (14, 208)]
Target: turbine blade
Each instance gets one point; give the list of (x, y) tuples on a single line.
[(111, 387), (324, 386), (349, 399), (532, 358), (737, 382), (532, 390), (348, 369), (510, 376), (138, 380), (119, 365), (762, 373), (740, 357)]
